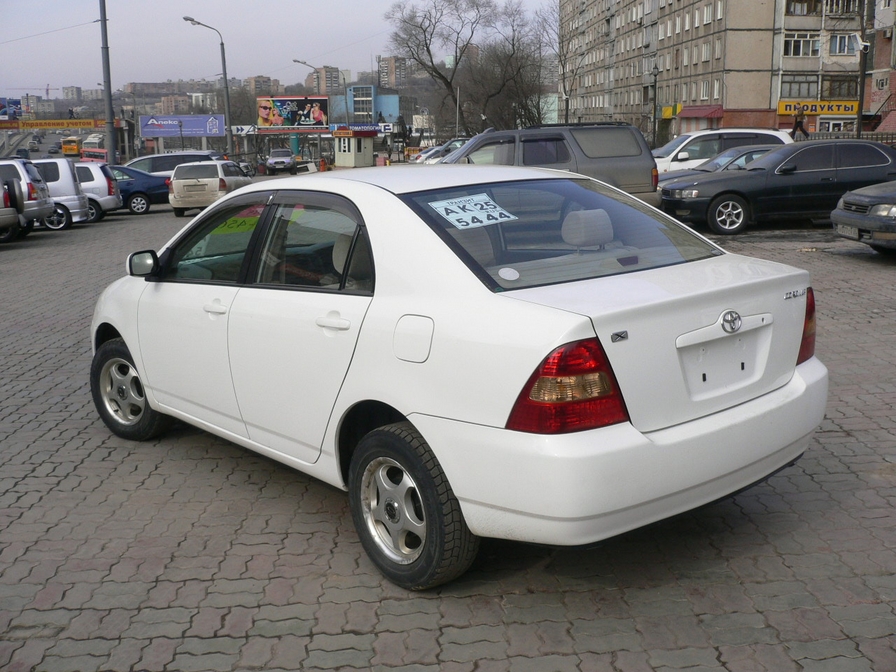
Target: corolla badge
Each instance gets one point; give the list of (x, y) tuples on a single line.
[(731, 321)]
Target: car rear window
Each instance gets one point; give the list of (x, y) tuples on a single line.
[(49, 171), (515, 235), (605, 142), (84, 174), (200, 172)]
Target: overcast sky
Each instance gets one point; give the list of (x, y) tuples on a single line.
[(58, 43)]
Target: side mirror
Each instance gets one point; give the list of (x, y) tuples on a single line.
[(682, 156), (143, 264), (787, 169)]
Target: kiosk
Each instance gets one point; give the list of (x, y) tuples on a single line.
[(354, 147)]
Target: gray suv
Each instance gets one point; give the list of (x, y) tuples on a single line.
[(36, 194), (613, 152)]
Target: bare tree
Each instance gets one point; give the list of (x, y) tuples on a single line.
[(562, 37)]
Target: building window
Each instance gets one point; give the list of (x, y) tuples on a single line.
[(706, 52), (704, 90), (696, 53), (839, 87), (677, 24), (800, 87), (841, 7), (693, 90), (687, 20), (716, 89), (707, 14), (802, 44), (718, 10), (718, 48), (842, 45), (803, 7)]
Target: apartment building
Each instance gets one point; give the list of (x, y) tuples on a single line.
[(679, 65)]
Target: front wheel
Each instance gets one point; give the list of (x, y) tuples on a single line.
[(60, 219), (179, 212), (728, 215), (119, 396), (405, 512), (138, 204)]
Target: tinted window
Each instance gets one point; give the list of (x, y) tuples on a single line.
[(813, 158), (532, 233), (198, 172), (603, 142), (545, 151), (49, 171), (8, 172), (497, 152), (856, 156), (164, 162), (231, 170), (84, 174), (216, 249)]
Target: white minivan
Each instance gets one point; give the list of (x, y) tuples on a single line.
[(691, 149)]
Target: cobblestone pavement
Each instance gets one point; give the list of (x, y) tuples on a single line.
[(190, 553)]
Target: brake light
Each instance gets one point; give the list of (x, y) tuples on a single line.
[(807, 345), (573, 389), (168, 184), (6, 203), (32, 192), (111, 185), (655, 178), (222, 185)]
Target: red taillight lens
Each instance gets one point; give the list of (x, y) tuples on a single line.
[(222, 185), (168, 182), (32, 192), (655, 178), (111, 186), (807, 345), (6, 199), (574, 389)]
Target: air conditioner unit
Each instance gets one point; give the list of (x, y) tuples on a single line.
[(888, 33)]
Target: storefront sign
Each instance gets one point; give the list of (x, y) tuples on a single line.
[(818, 107)]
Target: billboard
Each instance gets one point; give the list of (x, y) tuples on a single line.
[(293, 114), (188, 125), (10, 108)]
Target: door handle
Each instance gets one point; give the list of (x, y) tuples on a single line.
[(827, 179), (332, 322), (215, 308)]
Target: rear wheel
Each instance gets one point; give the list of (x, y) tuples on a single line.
[(94, 212), (60, 219), (179, 212), (138, 204), (10, 234), (405, 512), (728, 215), (119, 396)]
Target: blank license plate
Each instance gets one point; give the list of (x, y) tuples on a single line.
[(848, 231)]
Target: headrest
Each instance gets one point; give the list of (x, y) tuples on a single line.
[(587, 228), (340, 251)]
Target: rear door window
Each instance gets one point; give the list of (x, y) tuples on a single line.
[(49, 171), (607, 141), (500, 152), (545, 151), (858, 156)]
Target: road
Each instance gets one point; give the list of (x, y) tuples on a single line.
[(191, 553)]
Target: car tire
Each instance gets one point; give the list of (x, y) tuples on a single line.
[(119, 396), (292, 171), (179, 212), (60, 220), (10, 234), (94, 211), (405, 512), (728, 215), (138, 204), (26, 228)]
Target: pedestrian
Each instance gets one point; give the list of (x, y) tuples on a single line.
[(799, 116)]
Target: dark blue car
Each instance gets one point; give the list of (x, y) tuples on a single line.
[(140, 189)]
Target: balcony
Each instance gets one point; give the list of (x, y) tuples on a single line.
[(829, 7)]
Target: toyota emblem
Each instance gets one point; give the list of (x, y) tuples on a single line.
[(731, 322)]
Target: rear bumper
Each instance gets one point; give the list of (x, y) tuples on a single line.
[(196, 200), (580, 488)]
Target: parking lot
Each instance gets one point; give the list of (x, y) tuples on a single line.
[(191, 553)]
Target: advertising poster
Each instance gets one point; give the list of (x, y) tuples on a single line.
[(293, 114), (10, 108)]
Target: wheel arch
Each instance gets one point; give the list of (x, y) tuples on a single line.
[(728, 193), (104, 332), (358, 421)]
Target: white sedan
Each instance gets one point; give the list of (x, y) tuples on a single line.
[(470, 351)]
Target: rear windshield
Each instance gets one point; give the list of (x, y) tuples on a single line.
[(515, 235), (200, 172), (604, 142), (49, 171)]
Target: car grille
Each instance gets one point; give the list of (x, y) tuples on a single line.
[(856, 208)]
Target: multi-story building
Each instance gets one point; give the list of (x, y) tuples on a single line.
[(394, 71), (326, 80), (263, 86), (677, 65), (72, 93), (175, 104)]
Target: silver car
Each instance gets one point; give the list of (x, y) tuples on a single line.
[(37, 201), (70, 203), (101, 188), (197, 185)]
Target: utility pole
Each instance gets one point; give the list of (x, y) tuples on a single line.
[(107, 89)]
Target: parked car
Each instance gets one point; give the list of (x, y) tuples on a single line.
[(868, 215), (469, 352), (100, 187), (735, 158), (164, 164), (69, 201), (422, 155), (37, 201), (443, 151), (691, 149), (12, 204), (796, 181), (280, 160), (198, 185), (140, 190), (614, 152)]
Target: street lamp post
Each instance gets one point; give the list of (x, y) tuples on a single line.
[(227, 116), (344, 86), (180, 127), (656, 73)]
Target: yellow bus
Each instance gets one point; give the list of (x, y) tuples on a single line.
[(71, 146)]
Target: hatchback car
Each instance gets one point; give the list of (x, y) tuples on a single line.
[(868, 215), (691, 149), (198, 185), (69, 201), (100, 188), (502, 352), (797, 181), (139, 190)]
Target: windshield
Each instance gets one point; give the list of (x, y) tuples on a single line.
[(281, 152), (515, 235), (719, 161), (670, 147)]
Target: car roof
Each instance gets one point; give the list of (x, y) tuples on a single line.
[(413, 177)]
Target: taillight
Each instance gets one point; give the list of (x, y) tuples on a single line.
[(6, 203), (222, 185), (655, 178), (111, 185), (32, 192), (807, 345), (572, 390), (168, 183)]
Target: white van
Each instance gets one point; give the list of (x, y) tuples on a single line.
[(69, 201), (692, 149)]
